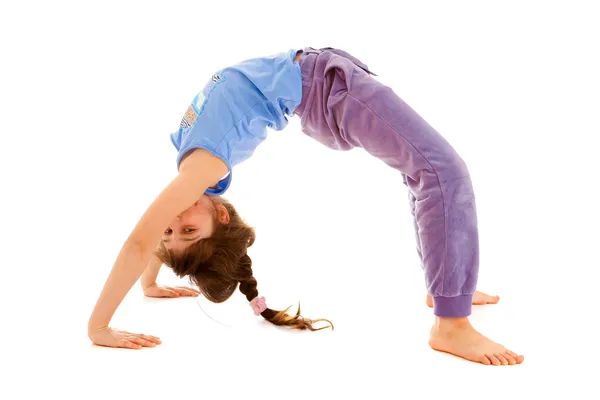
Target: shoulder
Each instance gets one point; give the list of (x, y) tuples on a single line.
[(201, 162)]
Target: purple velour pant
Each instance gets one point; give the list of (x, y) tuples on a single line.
[(344, 107)]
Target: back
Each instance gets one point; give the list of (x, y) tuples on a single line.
[(230, 115)]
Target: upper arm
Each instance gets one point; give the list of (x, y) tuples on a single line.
[(197, 172)]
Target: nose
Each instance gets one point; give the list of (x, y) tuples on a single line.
[(177, 220)]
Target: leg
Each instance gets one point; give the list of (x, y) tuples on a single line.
[(446, 235), (445, 222), (479, 298), (440, 189), (347, 108)]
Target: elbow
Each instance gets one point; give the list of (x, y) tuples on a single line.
[(143, 243), (140, 247)]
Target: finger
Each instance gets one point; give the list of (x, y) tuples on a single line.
[(128, 344), (185, 292), (150, 338), (190, 289), (140, 341), (192, 293), (169, 293), (141, 335)]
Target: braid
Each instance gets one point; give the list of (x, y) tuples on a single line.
[(248, 286)]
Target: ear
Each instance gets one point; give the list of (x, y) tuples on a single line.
[(222, 214)]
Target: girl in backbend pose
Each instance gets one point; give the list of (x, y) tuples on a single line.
[(197, 233)]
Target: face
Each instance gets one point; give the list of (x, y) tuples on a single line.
[(194, 224)]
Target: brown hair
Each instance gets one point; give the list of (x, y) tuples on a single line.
[(217, 264)]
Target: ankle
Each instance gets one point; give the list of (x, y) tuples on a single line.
[(448, 324)]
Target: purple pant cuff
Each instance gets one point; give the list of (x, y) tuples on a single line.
[(453, 307)]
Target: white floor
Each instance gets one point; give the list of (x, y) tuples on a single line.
[(88, 100), (378, 349)]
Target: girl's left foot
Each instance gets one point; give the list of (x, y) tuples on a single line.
[(457, 336), (479, 298)]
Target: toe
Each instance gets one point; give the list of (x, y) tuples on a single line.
[(429, 301), (484, 360), (493, 359), (511, 360), (494, 299), (501, 358), (519, 359)]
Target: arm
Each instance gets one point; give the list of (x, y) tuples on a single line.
[(152, 289), (151, 272), (197, 172)]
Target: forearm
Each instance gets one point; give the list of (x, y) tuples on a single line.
[(151, 272), (127, 269)]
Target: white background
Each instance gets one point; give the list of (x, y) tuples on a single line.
[(89, 93)]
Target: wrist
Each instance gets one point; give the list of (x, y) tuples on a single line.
[(148, 285), (94, 328)]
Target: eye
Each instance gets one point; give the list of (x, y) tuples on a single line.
[(168, 231), (189, 230)]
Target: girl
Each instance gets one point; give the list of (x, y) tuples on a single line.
[(342, 106)]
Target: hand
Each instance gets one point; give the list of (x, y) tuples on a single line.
[(109, 337), (167, 291)]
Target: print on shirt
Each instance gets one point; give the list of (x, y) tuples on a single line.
[(196, 108), (189, 118)]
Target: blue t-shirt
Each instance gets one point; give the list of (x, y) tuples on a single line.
[(230, 116)]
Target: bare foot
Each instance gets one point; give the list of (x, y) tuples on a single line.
[(457, 336), (479, 298)]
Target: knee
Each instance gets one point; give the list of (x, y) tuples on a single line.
[(457, 184), (455, 169)]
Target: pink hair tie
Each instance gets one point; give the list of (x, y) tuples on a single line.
[(258, 305)]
